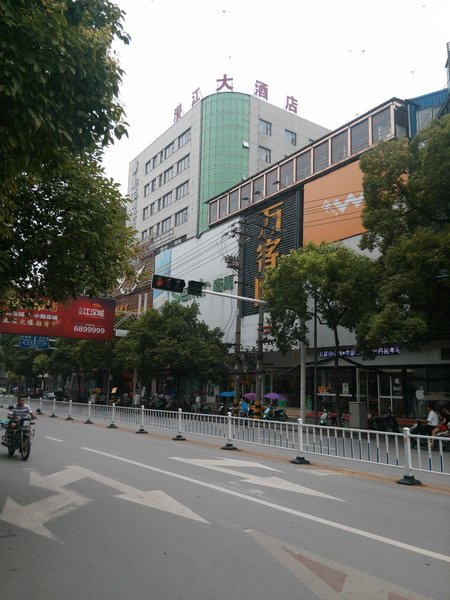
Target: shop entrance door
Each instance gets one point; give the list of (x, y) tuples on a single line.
[(368, 390)]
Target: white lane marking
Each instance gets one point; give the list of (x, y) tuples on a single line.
[(33, 516), (291, 511), (47, 437), (273, 482), (328, 579)]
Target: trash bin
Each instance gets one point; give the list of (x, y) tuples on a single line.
[(358, 415)]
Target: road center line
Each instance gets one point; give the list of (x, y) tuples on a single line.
[(47, 437), (291, 511)]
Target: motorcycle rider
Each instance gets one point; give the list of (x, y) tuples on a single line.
[(20, 409)]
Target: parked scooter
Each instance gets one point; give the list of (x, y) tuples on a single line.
[(273, 413), (384, 422)]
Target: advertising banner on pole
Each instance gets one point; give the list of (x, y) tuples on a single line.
[(81, 318)]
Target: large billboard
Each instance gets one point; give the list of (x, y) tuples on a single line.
[(82, 318), (332, 205), (271, 228)]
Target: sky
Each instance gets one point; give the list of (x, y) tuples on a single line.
[(338, 59)]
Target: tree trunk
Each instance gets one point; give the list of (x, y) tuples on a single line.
[(336, 378)]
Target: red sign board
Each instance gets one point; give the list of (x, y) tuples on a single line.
[(83, 318)]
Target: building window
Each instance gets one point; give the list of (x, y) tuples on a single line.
[(169, 150), (181, 217), (264, 154), (359, 135), (265, 127), (303, 166), (339, 147), (182, 190), (234, 201), (148, 166), (246, 190), (155, 161), (320, 154), (145, 213), (291, 137), (144, 234), (154, 184), (213, 211), (146, 189), (184, 138), (152, 208), (381, 125), (287, 173), (183, 164), (166, 200), (168, 175), (222, 207), (165, 225)]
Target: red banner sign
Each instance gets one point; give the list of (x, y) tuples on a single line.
[(82, 318)]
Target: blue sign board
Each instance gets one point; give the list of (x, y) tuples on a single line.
[(35, 342)]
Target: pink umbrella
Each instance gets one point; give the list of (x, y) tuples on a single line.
[(250, 396), (274, 396)]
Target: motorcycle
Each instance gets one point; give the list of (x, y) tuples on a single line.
[(19, 437), (383, 422), (274, 414)]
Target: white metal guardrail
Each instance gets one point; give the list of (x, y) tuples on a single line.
[(431, 454)]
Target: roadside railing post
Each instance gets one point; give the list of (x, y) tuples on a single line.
[(39, 409), (53, 408), (69, 416), (300, 459), (112, 425), (179, 437), (88, 420), (141, 429), (408, 478), (229, 445)]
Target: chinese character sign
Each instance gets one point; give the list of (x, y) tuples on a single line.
[(177, 113), (261, 90), (82, 318), (273, 231), (291, 104), (224, 83), (196, 96)]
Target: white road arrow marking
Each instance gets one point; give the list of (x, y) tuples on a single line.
[(273, 482), (285, 509), (33, 516), (328, 579)]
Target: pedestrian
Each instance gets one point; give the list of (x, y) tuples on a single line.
[(425, 427), (243, 408)]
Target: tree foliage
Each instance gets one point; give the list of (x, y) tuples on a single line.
[(69, 235), (171, 341), (334, 279), (407, 215), (59, 86)]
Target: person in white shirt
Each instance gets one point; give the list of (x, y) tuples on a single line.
[(426, 427)]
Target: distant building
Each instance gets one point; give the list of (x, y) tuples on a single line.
[(222, 140)]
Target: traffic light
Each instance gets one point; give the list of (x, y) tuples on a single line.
[(195, 288), (169, 284)]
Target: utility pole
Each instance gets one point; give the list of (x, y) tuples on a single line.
[(259, 342), (237, 264)]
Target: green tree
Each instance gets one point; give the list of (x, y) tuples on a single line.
[(407, 215), (59, 85), (83, 358), (339, 281), (69, 235), (172, 341)]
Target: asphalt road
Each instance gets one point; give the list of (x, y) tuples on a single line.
[(99, 513)]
